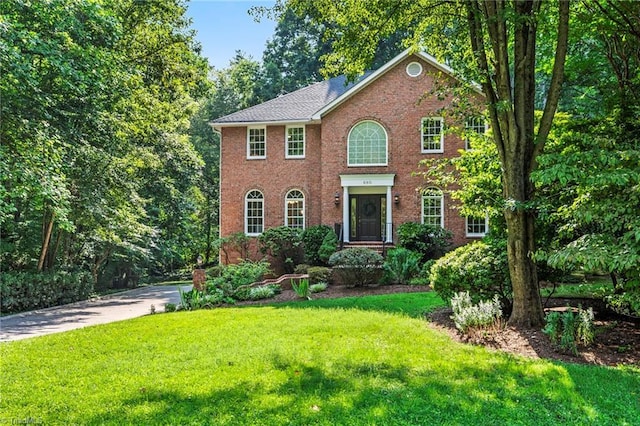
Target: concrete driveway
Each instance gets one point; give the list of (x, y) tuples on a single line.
[(115, 307)]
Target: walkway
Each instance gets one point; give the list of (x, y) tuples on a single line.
[(115, 307)]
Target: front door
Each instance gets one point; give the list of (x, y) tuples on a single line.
[(366, 215)]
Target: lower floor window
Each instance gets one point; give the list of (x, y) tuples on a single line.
[(432, 207), (254, 213), (476, 226), (294, 209)]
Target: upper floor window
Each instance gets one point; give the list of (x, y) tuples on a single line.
[(256, 142), (474, 124), (295, 142), (367, 145), (294, 209), (432, 134), (476, 226), (254, 213), (433, 207)]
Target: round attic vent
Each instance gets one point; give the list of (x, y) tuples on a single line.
[(414, 69)]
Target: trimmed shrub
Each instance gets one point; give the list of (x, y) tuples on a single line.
[(429, 240), (284, 245), (328, 247), (301, 268), (357, 266), (478, 268), (401, 265), (319, 274), (23, 291), (318, 287), (312, 239)]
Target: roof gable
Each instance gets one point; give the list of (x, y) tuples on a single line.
[(297, 106), (311, 103)]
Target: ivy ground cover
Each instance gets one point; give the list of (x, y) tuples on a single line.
[(306, 363)]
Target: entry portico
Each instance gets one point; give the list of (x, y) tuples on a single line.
[(367, 208)]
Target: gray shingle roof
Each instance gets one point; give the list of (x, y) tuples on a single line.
[(300, 105)]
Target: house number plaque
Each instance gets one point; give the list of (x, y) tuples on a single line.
[(367, 182)]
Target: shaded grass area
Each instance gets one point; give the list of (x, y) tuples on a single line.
[(594, 290), (327, 362)]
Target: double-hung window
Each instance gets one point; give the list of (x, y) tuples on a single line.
[(294, 209), (433, 207), (432, 135), (474, 125), (256, 143), (295, 142), (254, 213), (476, 226)]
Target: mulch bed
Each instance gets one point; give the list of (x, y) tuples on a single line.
[(617, 339)]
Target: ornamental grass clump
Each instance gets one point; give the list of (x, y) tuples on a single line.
[(469, 317), (301, 288)]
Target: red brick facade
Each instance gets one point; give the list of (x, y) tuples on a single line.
[(397, 102)]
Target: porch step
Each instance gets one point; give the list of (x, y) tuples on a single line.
[(376, 246)]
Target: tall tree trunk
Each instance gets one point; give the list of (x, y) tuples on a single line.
[(47, 228), (53, 252), (510, 100)]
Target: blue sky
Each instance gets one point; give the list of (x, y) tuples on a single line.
[(225, 26)]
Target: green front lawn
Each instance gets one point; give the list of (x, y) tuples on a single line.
[(350, 361)]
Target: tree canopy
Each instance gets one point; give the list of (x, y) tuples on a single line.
[(96, 160)]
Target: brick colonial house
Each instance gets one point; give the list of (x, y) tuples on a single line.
[(343, 155)]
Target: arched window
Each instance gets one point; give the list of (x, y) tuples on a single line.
[(294, 209), (254, 213), (433, 207), (367, 145)]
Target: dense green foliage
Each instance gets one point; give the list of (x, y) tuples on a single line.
[(97, 166), (356, 266), (356, 361), (567, 330), (235, 279), (319, 274), (284, 246), (312, 239), (592, 176), (328, 247), (478, 268), (430, 241), (401, 265), (23, 291)]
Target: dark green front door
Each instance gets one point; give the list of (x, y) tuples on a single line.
[(366, 216)]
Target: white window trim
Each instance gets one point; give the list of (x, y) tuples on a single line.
[(246, 213), (286, 142), (476, 234), (409, 65), (256, 157), (466, 139), (386, 147), (432, 151), (441, 208), (286, 210)]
